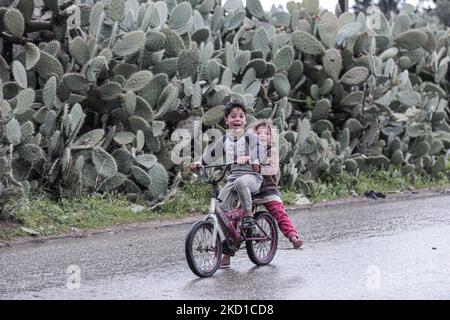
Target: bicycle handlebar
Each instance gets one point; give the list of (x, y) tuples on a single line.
[(219, 165), (226, 165), (209, 179)]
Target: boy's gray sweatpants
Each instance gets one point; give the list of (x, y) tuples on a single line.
[(240, 188)]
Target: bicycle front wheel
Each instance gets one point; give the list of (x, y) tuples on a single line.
[(261, 250), (203, 253)]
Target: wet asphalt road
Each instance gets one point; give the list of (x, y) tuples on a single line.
[(377, 250)]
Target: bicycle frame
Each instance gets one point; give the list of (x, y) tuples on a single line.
[(226, 219), (228, 234), (235, 214), (216, 216)]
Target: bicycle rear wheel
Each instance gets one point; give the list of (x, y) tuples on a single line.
[(202, 253), (262, 251)]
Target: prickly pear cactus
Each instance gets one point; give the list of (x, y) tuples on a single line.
[(94, 102)]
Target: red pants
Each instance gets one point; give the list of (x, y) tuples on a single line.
[(285, 224)]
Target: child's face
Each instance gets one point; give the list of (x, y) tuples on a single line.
[(263, 134), (236, 119)]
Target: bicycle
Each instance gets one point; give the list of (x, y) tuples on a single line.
[(221, 232)]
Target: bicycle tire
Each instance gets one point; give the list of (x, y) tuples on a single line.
[(263, 220), (193, 262)]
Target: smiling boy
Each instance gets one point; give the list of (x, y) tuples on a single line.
[(240, 147)]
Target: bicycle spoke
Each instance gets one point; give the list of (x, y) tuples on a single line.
[(205, 254), (263, 247)]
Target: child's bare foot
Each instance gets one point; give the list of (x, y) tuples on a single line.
[(225, 261), (296, 242)]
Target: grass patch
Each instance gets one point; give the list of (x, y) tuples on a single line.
[(392, 180), (49, 217), (9, 231), (193, 198)]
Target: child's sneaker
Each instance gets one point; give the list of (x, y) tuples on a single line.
[(296, 242), (248, 222)]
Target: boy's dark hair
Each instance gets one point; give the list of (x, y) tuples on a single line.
[(231, 105)]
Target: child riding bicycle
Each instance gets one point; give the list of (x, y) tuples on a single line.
[(243, 149), (269, 195)]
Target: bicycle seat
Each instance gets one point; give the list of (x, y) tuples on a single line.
[(256, 194)]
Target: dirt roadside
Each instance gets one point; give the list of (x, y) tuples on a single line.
[(155, 224)]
